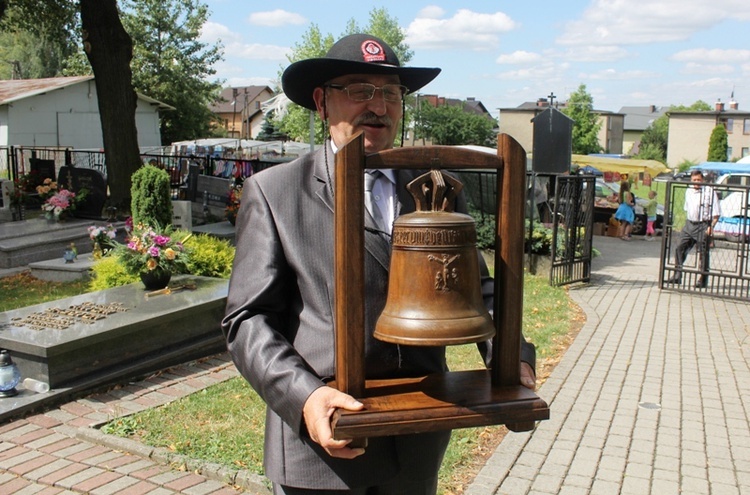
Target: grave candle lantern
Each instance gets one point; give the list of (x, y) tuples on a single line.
[(9, 375)]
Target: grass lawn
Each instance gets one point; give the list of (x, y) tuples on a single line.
[(224, 423)]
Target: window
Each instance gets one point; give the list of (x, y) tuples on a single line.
[(729, 153), (729, 124), (745, 152), (746, 127)]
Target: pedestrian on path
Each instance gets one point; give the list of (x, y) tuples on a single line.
[(702, 211), (625, 213)]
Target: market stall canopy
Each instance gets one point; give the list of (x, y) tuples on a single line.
[(720, 168), (621, 165)]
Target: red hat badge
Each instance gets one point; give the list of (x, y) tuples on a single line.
[(372, 51)]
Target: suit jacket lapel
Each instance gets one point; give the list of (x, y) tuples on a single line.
[(378, 247)]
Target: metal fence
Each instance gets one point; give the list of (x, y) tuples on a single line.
[(572, 229), (714, 265), (16, 161)]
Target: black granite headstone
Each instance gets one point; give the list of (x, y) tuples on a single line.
[(43, 169), (93, 181)]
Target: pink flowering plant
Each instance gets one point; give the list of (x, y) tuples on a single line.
[(149, 249), (60, 204)]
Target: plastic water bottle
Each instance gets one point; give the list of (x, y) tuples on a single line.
[(35, 386)]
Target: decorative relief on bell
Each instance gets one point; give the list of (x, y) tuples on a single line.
[(434, 237), (447, 275)]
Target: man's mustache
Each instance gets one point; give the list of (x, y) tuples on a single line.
[(370, 118)]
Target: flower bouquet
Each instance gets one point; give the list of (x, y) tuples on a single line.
[(153, 255), (103, 239), (233, 202), (47, 189), (59, 205)]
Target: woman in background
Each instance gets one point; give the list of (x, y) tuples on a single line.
[(625, 213)]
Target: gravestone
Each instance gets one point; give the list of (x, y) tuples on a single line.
[(120, 332), (43, 169), (6, 190), (93, 181), (182, 215)]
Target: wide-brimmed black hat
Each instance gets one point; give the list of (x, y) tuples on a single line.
[(353, 54)]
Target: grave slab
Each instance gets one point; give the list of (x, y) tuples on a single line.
[(150, 333), (58, 270), (222, 230), (38, 239)]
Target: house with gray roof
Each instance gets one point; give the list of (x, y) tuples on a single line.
[(637, 120), (63, 112)]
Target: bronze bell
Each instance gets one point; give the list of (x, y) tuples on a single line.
[(434, 289)]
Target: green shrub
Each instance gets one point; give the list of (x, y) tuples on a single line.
[(540, 241), (209, 256), (109, 272), (151, 202), (541, 236)]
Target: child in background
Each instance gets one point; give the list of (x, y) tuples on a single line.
[(651, 215)]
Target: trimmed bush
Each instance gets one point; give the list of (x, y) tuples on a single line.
[(109, 272), (151, 202), (209, 256)]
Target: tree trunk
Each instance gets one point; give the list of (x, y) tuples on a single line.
[(109, 49)]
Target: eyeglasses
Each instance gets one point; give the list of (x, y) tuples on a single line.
[(365, 91)]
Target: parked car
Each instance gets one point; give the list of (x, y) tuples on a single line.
[(733, 224)]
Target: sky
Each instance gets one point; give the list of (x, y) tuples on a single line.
[(505, 53)]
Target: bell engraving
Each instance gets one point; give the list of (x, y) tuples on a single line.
[(447, 275)]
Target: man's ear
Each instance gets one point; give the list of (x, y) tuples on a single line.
[(319, 98)]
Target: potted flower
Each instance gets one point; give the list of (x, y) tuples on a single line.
[(233, 202), (154, 254), (59, 205), (103, 239), (46, 189)]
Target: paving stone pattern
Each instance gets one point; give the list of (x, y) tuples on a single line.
[(653, 397)]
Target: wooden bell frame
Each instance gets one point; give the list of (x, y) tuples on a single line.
[(439, 401)]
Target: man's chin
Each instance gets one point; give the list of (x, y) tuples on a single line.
[(377, 143)]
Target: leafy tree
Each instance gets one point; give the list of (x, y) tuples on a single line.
[(586, 125), (452, 125), (654, 139), (717, 144), (36, 38), (172, 66), (296, 122)]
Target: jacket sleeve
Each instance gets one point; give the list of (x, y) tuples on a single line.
[(256, 324)]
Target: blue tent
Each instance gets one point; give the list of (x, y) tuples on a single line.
[(720, 168)]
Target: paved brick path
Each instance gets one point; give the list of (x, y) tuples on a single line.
[(57, 451), (653, 397)]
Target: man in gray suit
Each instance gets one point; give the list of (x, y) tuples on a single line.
[(279, 318)]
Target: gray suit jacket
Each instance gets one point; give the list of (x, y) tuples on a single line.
[(279, 326)]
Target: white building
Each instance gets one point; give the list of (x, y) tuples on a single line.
[(64, 112)]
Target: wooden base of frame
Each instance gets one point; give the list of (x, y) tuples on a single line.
[(436, 402)]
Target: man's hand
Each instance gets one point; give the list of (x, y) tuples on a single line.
[(317, 412), (528, 377)]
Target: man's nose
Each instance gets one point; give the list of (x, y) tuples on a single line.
[(377, 104)]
